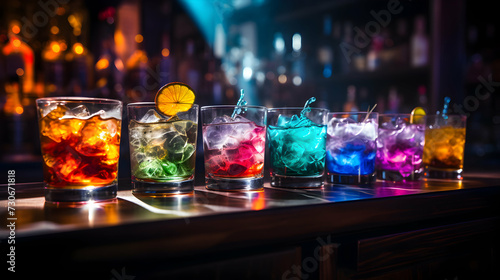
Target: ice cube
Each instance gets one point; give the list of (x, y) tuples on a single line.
[(80, 112), (259, 144), (113, 113), (150, 168), (239, 118), (243, 153), (151, 116), (292, 154), (283, 121), (71, 162), (241, 129), (231, 143), (175, 144), (406, 134), (215, 135), (369, 130), (155, 152), (169, 167), (189, 150), (222, 119), (54, 111)]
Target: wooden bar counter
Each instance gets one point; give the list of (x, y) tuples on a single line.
[(430, 229)]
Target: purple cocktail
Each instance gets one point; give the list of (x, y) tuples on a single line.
[(400, 144)]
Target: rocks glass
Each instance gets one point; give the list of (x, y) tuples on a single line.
[(80, 145), (162, 150), (297, 140), (234, 147), (351, 147), (400, 144)]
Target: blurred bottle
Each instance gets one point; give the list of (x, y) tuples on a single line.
[(373, 59), (337, 53), (401, 43), (80, 62), (350, 104), (325, 54), (419, 43), (394, 101), (189, 67), (422, 98), (346, 64), (137, 78), (53, 67), (19, 59)]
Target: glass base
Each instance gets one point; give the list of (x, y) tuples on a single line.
[(395, 176), (162, 188), (84, 194), (439, 173), (350, 179), (297, 182), (237, 184)]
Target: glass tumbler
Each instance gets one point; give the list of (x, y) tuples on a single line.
[(400, 144), (80, 145), (234, 142), (444, 146), (351, 147), (297, 142), (162, 150)]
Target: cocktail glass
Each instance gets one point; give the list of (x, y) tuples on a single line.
[(443, 155), (400, 144), (80, 145), (351, 147), (162, 150), (296, 139), (234, 147)]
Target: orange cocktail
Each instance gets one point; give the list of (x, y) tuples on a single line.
[(443, 155), (80, 145)]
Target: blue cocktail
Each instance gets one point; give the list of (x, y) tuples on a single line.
[(297, 139), (351, 147)]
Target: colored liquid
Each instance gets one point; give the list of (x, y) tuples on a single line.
[(79, 152), (444, 148), (297, 151), (400, 149), (234, 149), (163, 151), (351, 148)]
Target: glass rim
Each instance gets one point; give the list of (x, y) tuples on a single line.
[(149, 103), (232, 106), (78, 99), (352, 113), (296, 108), (450, 115), (396, 115)]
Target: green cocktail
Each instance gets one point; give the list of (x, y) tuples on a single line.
[(162, 152)]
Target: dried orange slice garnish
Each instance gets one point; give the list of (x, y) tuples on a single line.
[(173, 98)]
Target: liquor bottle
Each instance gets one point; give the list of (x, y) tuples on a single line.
[(337, 53), (189, 67), (325, 51), (422, 97), (346, 62), (53, 67), (350, 104), (19, 59), (137, 76), (393, 101), (373, 59), (401, 43), (419, 43)]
